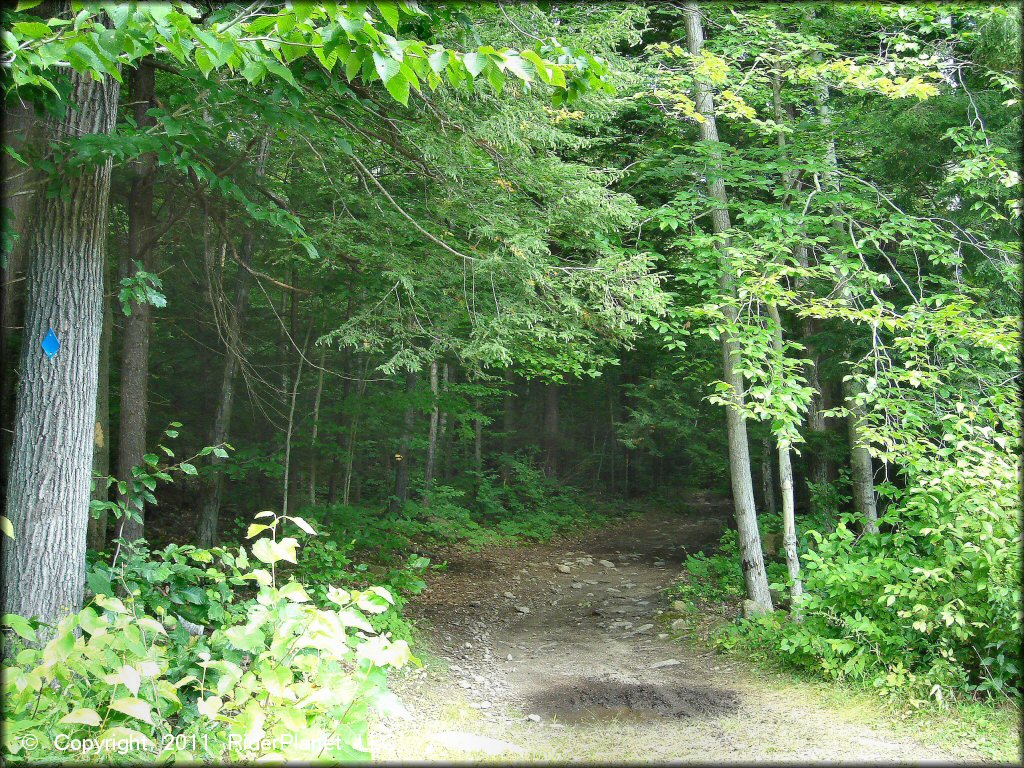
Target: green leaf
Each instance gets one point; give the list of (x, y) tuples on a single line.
[(6, 526), (475, 63), (398, 87), (188, 469), (133, 707), (246, 638), (82, 716), (390, 13), (295, 592), (438, 60), (20, 626), (386, 67), (303, 525), (33, 30)]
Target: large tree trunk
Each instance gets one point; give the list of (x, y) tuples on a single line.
[(101, 434), (21, 130), (551, 430), (54, 421), (739, 452), (135, 349), (403, 459), (213, 488), (435, 416)]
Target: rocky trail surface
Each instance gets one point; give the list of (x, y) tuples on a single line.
[(559, 652)]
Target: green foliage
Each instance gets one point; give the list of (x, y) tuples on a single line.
[(279, 674)]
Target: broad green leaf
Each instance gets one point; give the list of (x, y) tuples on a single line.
[(20, 626), (83, 716), (133, 707)]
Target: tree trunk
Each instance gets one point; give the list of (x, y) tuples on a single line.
[(478, 445), (135, 345), (54, 421), (443, 434), (861, 470), (789, 537), (428, 471), (551, 430), (21, 130), (101, 434), (288, 484), (768, 477), (316, 425), (213, 488), (739, 452), (402, 459)]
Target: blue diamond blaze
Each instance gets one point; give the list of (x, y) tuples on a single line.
[(51, 344)]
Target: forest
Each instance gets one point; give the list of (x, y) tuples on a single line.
[(530, 381)]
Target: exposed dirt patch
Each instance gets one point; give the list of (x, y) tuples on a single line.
[(560, 652)]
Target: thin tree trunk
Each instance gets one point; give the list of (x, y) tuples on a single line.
[(54, 421), (213, 488), (861, 470), (551, 430), (478, 445), (768, 476), (403, 459), (135, 344), (442, 428), (316, 425), (350, 447), (291, 424), (101, 434), (739, 452), (789, 535), (435, 417)]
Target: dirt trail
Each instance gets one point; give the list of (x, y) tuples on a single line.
[(555, 652)]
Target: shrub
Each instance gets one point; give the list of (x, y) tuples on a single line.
[(279, 675)]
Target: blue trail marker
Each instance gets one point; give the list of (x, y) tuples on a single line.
[(51, 344)]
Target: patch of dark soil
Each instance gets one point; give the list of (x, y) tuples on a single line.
[(611, 699)]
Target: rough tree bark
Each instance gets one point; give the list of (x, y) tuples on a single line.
[(551, 430), (21, 131), (51, 456), (402, 459), (213, 488), (137, 326), (739, 452), (768, 477)]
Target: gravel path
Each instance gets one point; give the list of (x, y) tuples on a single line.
[(556, 652)]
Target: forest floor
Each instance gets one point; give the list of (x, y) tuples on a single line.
[(560, 652)]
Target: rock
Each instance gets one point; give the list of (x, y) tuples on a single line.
[(659, 563), (751, 609), (522, 609), (464, 684), (666, 663), (469, 645), (577, 585), (564, 569), (509, 657), (662, 636), (509, 595), (678, 625), (477, 679), (644, 628), (475, 603), (678, 605), (606, 563), (533, 718)]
